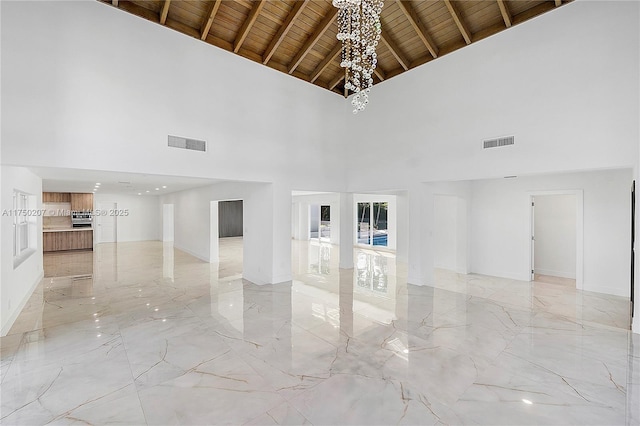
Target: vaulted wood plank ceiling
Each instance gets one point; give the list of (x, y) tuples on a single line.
[(298, 37)]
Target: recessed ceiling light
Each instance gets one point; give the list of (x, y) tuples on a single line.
[(157, 189), (147, 191), (139, 193), (98, 183), (164, 186)]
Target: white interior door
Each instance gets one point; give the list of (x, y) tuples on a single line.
[(106, 223), (167, 222)]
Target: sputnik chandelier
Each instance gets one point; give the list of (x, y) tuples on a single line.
[(359, 31)]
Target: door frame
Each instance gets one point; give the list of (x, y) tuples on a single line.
[(633, 240), (579, 194), (214, 234)]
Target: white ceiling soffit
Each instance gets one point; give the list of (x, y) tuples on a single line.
[(77, 180)]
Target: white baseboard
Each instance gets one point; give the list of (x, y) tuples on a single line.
[(283, 278), (192, 253), (507, 275), (260, 281), (414, 279), (254, 279), (18, 309), (571, 275), (622, 292)]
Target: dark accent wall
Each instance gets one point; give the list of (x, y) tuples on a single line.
[(230, 219)]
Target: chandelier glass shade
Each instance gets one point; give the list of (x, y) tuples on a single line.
[(359, 31)]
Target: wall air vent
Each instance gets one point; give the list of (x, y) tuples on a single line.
[(185, 143), (498, 142)]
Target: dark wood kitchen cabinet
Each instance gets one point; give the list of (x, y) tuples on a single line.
[(81, 202), (67, 240), (56, 197)]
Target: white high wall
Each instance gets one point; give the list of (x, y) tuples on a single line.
[(18, 283), (141, 221), (501, 227), (538, 81), (108, 87), (555, 235)]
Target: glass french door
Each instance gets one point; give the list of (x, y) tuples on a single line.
[(320, 222), (372, 226)]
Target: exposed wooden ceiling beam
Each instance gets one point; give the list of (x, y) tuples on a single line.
[(381, 74), (114, 2), (337, 79), (311, 41), (457, 18), (208, 21), (532, 12), (558, 3), (504, 10), (326, 61), (284, 29), (248, 23), (164, 12), (395, 50), (418, 26)]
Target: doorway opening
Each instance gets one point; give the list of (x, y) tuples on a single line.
[(372, 225), (320, 222), (226, 237), (556, 237)]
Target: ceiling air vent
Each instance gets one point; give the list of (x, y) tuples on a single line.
[(184, 143), (498, 142)]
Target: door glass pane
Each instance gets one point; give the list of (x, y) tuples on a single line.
[(364, 231), (380, 224)]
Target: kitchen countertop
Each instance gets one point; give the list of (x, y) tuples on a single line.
[(86, 228)]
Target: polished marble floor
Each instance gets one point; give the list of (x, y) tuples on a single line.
[(141, 333)]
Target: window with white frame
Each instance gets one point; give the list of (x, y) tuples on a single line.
[(24, 226)]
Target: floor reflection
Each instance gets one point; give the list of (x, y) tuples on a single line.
[(156, 336), (68, 263)]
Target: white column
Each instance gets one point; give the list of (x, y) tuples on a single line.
[(267, 234), (281, 235), (416, 234), (335, 222), (428, 240), (402, 227), (346, 230)]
